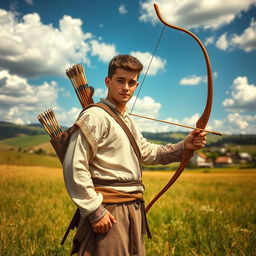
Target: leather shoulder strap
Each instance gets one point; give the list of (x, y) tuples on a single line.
[(119, 120)]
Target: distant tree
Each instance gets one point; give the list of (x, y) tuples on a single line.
[(40, 151), (213, 155)]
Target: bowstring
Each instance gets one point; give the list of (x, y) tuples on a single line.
[(150, 62)]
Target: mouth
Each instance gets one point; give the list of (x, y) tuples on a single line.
[(125, 95)]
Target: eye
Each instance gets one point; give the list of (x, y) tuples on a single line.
[(120, 80), (132, 83)]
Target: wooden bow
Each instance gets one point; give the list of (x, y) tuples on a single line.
[(201, 123)]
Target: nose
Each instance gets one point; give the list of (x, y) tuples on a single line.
[(126, 86)]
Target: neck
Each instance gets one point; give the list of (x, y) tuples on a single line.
[(120, 107)]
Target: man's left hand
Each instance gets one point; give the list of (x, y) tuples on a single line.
[(195, 140)]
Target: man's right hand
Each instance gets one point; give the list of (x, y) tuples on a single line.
[(104, 224)]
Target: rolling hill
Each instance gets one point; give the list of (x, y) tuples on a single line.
[(10, 130), (27, 136)]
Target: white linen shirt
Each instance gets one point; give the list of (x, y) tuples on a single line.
[(101, 149)]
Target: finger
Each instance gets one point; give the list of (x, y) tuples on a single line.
[(199, 142), (94, 228), (199, 146), (195, 132), (98, 229), (112, 218), (103, 229), (198, 138), (201, 134), (109, 225)]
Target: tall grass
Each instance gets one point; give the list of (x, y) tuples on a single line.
[(8, 157), (205, 214), (202, 214)]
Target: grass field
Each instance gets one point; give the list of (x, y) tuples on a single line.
[(204, 213), (26, 141), (8, 157)]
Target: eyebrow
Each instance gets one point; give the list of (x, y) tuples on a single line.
[(121, 77)]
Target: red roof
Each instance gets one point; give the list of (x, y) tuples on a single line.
[(202, 155), (223, 159)]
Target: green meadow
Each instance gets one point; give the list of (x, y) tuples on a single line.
[(8, 157), (25, 141), (209, 212)]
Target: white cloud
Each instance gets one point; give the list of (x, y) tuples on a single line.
[(209, 40), (100, 93), (191, 121), (155, 126), (157, 63), (234, 123), (195, 80), (104, 51), (192, 80), (217, 124), (146, 106), (222, 43), (247, 40), (240, 124), (122, 9), (243, 96), (237, 119), (194, 13), (67, 118), (30, 48), (21, 102)]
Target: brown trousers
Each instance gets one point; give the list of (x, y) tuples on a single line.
[(124, 239)]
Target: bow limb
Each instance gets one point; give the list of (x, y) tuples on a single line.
[(202, 121)]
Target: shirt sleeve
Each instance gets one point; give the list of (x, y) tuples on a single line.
[(161, 154), (76, 170)]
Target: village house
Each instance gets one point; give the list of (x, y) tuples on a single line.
[(244, 157), (199, 159), (222, 161)]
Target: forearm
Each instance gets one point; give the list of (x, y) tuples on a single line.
[(170, 153), (153, 154)]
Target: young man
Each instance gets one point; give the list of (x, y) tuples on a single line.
[(102, 169)]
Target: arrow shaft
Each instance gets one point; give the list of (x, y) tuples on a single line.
[(181, 125)]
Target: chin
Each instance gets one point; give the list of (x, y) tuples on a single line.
[(126, 100)]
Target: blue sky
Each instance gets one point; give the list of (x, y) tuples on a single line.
[(41, 39)]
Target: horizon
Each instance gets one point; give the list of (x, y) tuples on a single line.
[(154, 132)]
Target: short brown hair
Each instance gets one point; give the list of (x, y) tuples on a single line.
[(126, 62)]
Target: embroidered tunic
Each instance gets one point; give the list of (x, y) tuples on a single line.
[(101, 149)]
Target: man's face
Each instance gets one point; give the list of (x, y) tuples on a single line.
[(121, 86)]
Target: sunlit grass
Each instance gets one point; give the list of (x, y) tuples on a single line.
[(8, 157), (202, 214)]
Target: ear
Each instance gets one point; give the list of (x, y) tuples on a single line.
[(107, 80)]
